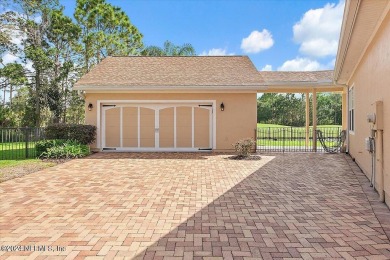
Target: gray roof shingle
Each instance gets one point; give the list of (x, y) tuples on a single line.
[(296, 76), (172, 71)]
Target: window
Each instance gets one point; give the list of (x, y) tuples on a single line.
[(351, 109)]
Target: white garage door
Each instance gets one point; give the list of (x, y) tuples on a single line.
[(152, 126)]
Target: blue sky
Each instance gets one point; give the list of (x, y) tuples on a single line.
[(275, 34), (219, 27)]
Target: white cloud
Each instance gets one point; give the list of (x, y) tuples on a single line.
[(257, 41), (9, 58), (267, 68), (17, 38), (300, 64), (319, 29), (331, 64), (29, 66), (215, 52)]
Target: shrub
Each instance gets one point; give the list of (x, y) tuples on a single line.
[(243, 146), (66, 150), (83, 134), (43, 145)]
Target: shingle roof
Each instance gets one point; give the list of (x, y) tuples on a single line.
[(172, 71), (297, 76)]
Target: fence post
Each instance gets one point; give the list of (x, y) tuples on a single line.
[(284, 137), (256, 140), (26, 141)]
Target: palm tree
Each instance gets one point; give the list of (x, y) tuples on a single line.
[(169, 49)]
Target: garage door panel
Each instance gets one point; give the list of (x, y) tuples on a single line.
[(184, 126), (147, 127), (202, 128), (112, 130), (157, 126), (130, 127), (166, 132)]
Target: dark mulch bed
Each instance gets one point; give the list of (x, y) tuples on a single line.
[(246, 158)]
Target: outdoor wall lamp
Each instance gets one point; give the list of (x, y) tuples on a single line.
[(90, 106), (222, 106)]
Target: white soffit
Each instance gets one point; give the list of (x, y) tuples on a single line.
[(361, 21)]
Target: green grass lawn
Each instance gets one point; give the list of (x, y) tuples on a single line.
[(11, 163), (260, 125), (270, 125), (17, 151), (10, 169)]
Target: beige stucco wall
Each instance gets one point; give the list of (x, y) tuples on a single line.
[(237, 121), (372, 83)]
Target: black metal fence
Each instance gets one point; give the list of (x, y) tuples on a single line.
[(19, 143), (294, 139)]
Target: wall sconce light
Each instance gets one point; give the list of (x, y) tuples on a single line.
[(222, 106), (90, 106)]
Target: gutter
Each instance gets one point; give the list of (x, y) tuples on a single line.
[(167, 88), (312, 84)]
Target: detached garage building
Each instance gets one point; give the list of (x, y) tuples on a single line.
[(171, 103)]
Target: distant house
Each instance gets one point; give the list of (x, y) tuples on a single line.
[(171, 103), (363, 67)]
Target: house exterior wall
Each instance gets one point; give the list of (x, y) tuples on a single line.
[(237, 121), (371, 81)]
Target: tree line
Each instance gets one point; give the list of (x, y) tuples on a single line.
[(289, 109), (52, 51)]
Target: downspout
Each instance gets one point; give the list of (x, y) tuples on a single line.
[(376, 145), (379, 151), (379, 155), (348, 121)]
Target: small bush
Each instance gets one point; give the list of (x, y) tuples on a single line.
[(43, 145), (243, 147), (66, 150), (83, 134)]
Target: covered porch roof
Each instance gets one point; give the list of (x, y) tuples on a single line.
[(299, 81), (305, 82)]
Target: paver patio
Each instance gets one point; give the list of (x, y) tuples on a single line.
[(173, 205)]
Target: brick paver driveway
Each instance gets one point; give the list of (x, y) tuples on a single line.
[(193, 206)]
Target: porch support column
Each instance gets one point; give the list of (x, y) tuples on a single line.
[(314, 119), (344, 112), (307, 120)]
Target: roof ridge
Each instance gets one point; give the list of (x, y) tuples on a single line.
[(194, 56)]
